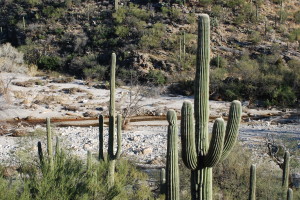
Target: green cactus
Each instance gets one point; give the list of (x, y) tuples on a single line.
[(101, 157), (290, 194), (111, 132), (285, 174), (198, 155), (172, 171), (252, 189), (49, 144), (40, 153), (116, 4), (162, 181), (89, 161)]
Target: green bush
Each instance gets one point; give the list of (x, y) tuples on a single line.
[(71, 179), (297, 17), (156, 77), (254, 37), (49, 63), (96, 72), (219, 61)]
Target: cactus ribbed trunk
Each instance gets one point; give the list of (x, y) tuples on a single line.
[(162, 181), (198, 153), (101, 142), (252, 189), (172, 169), (49, 143), (290, 194), (285, 174), (201, 178), (112, 156)]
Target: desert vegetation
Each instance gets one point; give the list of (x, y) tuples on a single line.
[(79, 42)]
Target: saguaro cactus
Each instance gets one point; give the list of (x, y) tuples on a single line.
[(49, 143), (198, 155), (111, 132), (162, 181), (252, 189), (285, 173), (290, 194), (172, 171)]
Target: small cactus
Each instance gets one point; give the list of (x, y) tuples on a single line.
[(286, 170), (49, 143), (162, 181), (172, 169), (252, 189), (290, 194)]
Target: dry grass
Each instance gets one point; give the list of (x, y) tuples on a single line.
[(51, 99), (30, 83)]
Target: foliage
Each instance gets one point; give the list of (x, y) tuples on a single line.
[(156, 77), (49, 63), (70, 179), (11, 60)]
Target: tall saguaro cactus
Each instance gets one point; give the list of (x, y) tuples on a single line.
[(112, 156), (252, 189), (198, 154), (172, 172)]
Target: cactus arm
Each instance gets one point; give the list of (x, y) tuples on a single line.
[(172, 172), (286, 169), (232, 128), (189, 154), (252, 189), (111, 137), (216, 144), (101, 136), (119, 136)]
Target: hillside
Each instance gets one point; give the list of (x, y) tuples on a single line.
[(255, 45)]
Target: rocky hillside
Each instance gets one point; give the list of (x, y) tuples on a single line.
[(255, 45)]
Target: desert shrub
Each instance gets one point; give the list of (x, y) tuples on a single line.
[(71, 179), (297, 17), (52, 12), (96, 72), (295, 35), (49, 63), (184, 87), (219, 61), (11, 60), (152, 38), (156, 77), (254, 37)]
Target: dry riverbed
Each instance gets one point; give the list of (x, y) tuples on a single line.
[(35, 98)]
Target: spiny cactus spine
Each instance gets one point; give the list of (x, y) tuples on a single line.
[(252, 189), (197, 154), (172, 171), (111, 132)]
